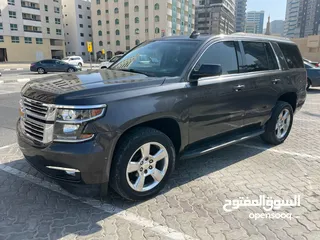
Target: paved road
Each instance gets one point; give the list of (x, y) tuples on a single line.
[(190, 207)]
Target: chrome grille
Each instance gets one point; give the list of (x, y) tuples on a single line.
[(37, 120)]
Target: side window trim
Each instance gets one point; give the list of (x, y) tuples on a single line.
[(274, 53)]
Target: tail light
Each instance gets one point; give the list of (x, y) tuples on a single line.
[(317, 65)]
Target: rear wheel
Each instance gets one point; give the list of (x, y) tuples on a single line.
[(70, 70), (41, 70), (142, 164), (279, 126)]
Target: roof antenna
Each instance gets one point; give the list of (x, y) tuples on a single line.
[(194, 34)]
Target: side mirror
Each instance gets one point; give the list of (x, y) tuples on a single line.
[(206, 70)]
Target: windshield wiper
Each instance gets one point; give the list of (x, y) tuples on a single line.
[(135, 71)]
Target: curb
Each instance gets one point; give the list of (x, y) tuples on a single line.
[(12, 69), (21, 80)]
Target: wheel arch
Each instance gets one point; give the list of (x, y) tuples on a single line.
[(291, 98)]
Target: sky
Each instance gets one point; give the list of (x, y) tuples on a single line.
[(276, 8)]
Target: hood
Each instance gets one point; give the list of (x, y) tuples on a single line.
[(54, 89)]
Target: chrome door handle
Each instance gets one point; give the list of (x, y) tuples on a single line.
[(238, 88), (275, 81)]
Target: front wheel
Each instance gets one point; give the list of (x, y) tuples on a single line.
[(142, 164), (41, 70), (70, 70), (279, 126)]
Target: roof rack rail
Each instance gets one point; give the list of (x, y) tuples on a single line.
[(194, 34)]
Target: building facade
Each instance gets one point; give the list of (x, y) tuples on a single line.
[(292, 17), (215, 17), (277, 27), (31, 30), (241, 8), (254, 22), (77, 26), (120, 25)]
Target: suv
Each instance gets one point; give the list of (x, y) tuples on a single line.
[(108, 63), (74, 60), (126, 126)]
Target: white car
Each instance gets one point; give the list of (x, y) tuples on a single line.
[(107, 64), (74, 60)]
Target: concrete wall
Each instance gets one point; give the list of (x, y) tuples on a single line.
[(309, 47)]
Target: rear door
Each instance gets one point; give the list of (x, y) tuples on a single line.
[(49, 65)]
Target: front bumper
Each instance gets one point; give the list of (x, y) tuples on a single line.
[(91, 159)]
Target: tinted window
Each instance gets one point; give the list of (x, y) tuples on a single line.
[(272, 61), (48, 62), (256, 56), (222, 53), (292, 55)]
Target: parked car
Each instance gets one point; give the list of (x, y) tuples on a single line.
[(127, 126), (52, 65), (74, 60), (107, 64), (313, 74), (316, 64)]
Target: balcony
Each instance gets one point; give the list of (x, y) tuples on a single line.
[(186, 8), (31, 17), (178, 4), (56, 42), (31, 5), (32, 29), (169, 12)]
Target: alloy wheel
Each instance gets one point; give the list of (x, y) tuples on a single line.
[(283, 123)]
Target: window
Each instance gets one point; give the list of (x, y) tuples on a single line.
[(89, 26), (82, 43), (100, 33), (292, 55), (47, 19), (107, 11), (127, 47), (81, 35), (57, 20), (56, 10), (222, 53), (136, 8), (39, 41), (114, 0), (83, 53), (58, 31), (117, 32), (146, 19), (127, 37), (28, 40), (88, 8), (1, 39), (256, 56), (79, 6), (156, 19), (13, 27), (99, 23), (80, 16), (118, 43), (137, 42), (81, 25), (99, 12), (157, 30), (126, 4), (156, 6), (11, 2), (98, 1), (127, 26), (117, 21), (90, 35), (48, 30), (126, 15), (116, 10), (89, 17), (12, 14), (1, 26), (272, 61), (108, 32), (107, 22), (15, 39), (137, 31), (46, 8), (136, 20), (146, 30)]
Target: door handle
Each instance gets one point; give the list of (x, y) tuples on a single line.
[(276, 81), (238, 88)]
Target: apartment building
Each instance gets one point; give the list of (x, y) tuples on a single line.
[(254, 22), (31, 30), (215, 16), (119, 25), (277, 27), (77, 26), (241, 8)]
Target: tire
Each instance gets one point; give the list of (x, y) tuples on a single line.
[(128, 149), (41, 70), (270, 134), (308, 84), (103, 67), (70, 70), (80, 64)]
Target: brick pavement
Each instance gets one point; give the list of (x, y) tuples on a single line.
[(190, 207)]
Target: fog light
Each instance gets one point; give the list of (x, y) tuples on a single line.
[(68, 128)]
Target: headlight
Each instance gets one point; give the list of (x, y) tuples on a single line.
[(70, 123)]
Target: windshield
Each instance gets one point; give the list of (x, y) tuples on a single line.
[(159, 58)]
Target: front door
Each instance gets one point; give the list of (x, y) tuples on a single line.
[(216, 104)]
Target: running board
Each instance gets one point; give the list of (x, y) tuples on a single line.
[(210, 147)]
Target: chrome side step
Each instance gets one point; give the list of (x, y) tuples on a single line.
[(210, 147)]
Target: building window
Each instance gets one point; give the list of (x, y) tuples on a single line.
[(90, 35), (99, 12), (81, 25), (11, 2), (100, 33), (174, 31), (58, 31), (89, 26), (126, 15), (100, 43), (117, 21), (1, 39), (146, 19), (28, 40), (157, 30), (108, 32), (107, 22), (126, 4), (156, 6), (81, 35), (115, 0), (146, 30), (136, 20), (108, 43), (118, 43), (48, 30), (1, 26), (127, 26), (156, 19), (13, 27), (12, 14), (98, 1), (137, 42), (56, 10), (137, 31), (146, 7), (46, 8), (99, 23), (57, 20), (107, 11), (127, 37), (127, 47), (136, 8), (89, 17), (83, 53), (116, 10), (47, 19), (15, 39), (82, 43), (117, 32), (79, 6), (88, 8)]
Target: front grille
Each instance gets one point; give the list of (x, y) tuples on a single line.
[(37, 120)]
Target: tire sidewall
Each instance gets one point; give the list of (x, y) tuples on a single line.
[(123, 160)]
